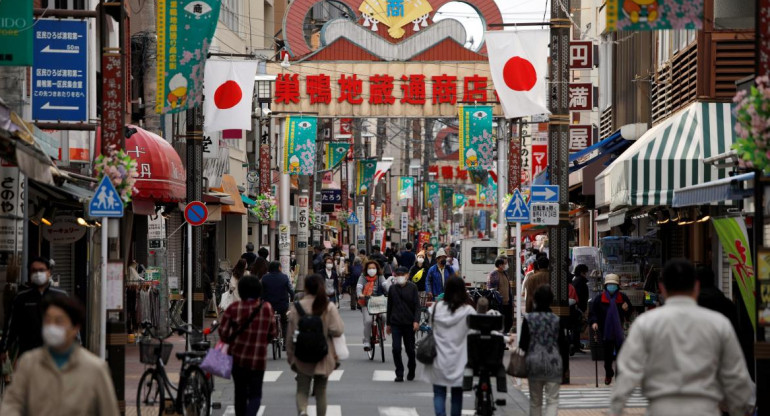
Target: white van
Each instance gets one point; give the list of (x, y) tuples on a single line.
[(477, 259)]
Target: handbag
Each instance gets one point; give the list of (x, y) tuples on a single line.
[(517, 366), (426, 349), (217, 361), (341, 347)]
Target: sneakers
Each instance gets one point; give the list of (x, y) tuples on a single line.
[(399, 380), (410, 376)]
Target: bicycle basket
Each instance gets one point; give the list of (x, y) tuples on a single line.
[(377, 305), (149, 351)]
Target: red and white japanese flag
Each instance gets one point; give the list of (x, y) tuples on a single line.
[(518, 61), (228, 88)]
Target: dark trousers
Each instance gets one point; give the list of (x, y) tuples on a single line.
[(610, 352), (405, 332), (248, 390), (507, 312), (353, 297), (284, 322)]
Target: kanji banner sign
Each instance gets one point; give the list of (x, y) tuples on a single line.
[(447, 195), (735, 242), (185, 29), (335, 152), (15, 33), (654, 15), (365, 176), (431, 194), (459, 200), (405, 187), (299, 145), (476, 142)]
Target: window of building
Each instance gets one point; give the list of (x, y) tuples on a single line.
[(483, 255), (230, 13)]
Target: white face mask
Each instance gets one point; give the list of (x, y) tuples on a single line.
[(54, 335), (505, 267), (420, 260), (430, 252), (329, 266), (39, 278), (371, 272), (401, 280)]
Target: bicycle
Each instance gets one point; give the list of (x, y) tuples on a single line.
[(193, 395), (425, 327), (378, 336), (278, 341)]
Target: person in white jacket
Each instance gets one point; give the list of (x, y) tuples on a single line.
[(450, 330)]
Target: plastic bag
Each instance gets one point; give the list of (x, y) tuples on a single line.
[(217, 361), (341, 347)]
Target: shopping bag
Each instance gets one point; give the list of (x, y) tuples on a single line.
[(217, 361), (341, 347), (227, 299), (517, 366), (426, 349)]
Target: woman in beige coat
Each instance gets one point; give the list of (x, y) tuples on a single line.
[(60, 378), (315, 302)]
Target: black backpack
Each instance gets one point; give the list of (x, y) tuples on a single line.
[(309, 339)]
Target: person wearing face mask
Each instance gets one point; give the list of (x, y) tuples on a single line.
[(418, 272), (24, 323), (438, 274), (402, 321), (430, 254), (498, 280), (60, 377), (331, 279), (371, 283), (609, 310)]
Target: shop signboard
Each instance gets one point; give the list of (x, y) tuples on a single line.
[(64, 230), (581, 54), (404, 225), (15, 36), (735, 242), (11, 208), (303, 218), (654, 15), (544, 213), (114, 285)]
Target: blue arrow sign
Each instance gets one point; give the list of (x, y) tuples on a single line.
[(517, 210), (544, 193), (353, 218), (106, 201), (59, 74)]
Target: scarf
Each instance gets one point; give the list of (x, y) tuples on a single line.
[(368, 290), (613, 330)]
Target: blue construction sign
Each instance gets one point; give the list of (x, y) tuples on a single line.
[(517, 209), (353, 219), (544, 193), (59, 71), (106, 201)]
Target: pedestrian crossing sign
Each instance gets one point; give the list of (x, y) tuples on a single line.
[(517, 210), (353, 219), (106, 201)]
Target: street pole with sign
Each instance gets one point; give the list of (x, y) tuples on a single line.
[(303, 219)]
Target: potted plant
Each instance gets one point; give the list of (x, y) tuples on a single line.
[(121, 169)]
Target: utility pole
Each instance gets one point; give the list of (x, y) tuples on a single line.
[(427, 152), (558, 158), (194, 167), (358, 154), (284, 204), (503, 136)]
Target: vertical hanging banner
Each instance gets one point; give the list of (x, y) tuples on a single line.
[(447, 197), (654, 14), (365, 176), (113, 104), (487, 194), (431, 194), (299, 145), (184, 30), (476, 142), (735, 242), (15, 33), (335, 152), (405, 187), (459, 200)]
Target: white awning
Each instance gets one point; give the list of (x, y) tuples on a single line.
[(603, 223), (720, 190)]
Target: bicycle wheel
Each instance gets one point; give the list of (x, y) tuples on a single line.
[(382, 343), (194, 389), (372, 341), (149, 394)]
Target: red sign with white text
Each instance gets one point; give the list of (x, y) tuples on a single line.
[(539, 158), (113, 106)]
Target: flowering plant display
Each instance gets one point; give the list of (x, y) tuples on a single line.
[(387, 222), (266, 207), (752, 124), (122, 171), (342, 218)]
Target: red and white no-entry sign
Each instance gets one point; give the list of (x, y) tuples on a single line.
[(196, 213)]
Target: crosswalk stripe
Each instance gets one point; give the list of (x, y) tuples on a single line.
[(271, 376), (384, 375), (594, 398), (336, 375), (331, 410), (398, 411)]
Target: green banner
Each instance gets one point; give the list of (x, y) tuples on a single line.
[(405, 187), (365, 170), (431, 194), (654, 14), (447, 196), (477, 145), (299, 145), (735, 242), (335, 153), (460, 200), (487, 194), (185, 29), (16, 32)]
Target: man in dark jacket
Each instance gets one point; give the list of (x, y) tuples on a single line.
[(403, 320), (259, 266), (580, 283), (600, 318), (407, 258), (249, 255), (276, 289), (24, 325)]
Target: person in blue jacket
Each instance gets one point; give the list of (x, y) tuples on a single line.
[(438, 274)]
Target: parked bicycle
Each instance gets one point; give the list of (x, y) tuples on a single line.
[(193, 394)]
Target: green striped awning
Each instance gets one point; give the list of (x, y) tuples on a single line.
[(667, 157)]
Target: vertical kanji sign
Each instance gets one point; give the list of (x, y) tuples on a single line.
[(580, 137), (581, 55), (113, 105), (514, 157), (581, 97), (539, 158)]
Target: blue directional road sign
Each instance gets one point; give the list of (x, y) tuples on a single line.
[(106, 201), (59, 72), (517, 209), (353, 219), (544, 193)]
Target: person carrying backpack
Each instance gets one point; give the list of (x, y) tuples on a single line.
[(312, 324)]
